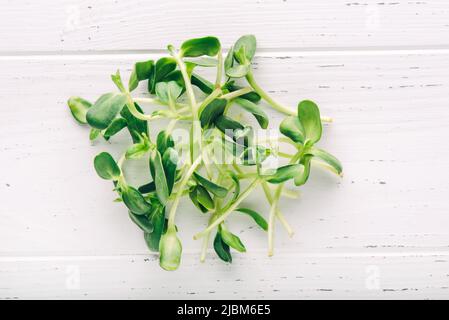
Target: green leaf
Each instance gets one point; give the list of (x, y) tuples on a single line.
[(141, 71), (164, 141), (217, 190), (207, 46), (327, 158), (105, 109), (203, 84), (251, 96), (231, 239), (302, 178), (135, 202), (222, 249), (170, 249), (226, 124), (177, 77), (261, 222), (136, 127), (238, 71), (147, 188), (106, 166), (138, 150), (79, 107), (157, 219), (142, 221), (169, 162), (159, 178), (94, 133), (293, 129), (164, 66), (229, 60), (212, 111), (203, 197), (116, 126), (285, 173), (248, 43), (168, 91), (258, 113), (309, 116), (193, 195), (117, 79), (203, 62)]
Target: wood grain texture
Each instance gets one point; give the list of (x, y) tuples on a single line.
[(109, 25), (388, 214)]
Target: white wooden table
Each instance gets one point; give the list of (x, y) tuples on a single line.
[(380, 69)]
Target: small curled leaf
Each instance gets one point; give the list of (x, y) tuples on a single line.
[(285, 173), (248, 43), (302, 178), (115, 127), (261, 222), (222, 249), (157, 218), (105, 109), (231, 239), (159, 178), (309, 116), (142, 221), (214, 188), (327, 158), (79, 107), (142, 71), (106, 166)]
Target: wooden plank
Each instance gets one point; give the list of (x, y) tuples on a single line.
[(286, 276), (56, 26), (390, 133)]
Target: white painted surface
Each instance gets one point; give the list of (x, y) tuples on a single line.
[(381, 232)]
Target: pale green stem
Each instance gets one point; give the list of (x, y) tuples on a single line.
[(209, 99), (237, 93), (277, 106), (279, 214), (273, 210), (183, 183), (225, 214)]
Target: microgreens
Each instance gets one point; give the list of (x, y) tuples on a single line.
[(222, 160)]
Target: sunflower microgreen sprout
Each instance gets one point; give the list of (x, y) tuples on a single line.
[(222, 160)]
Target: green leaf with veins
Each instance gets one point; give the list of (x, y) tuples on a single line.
[(229, 60), (168, 92), (164, 141), (212, 111), (302, 178), (261, 222), (94, 133), (285, 173), (159, 178), (142, 71), (309, 116), (79, 107), (142, 221), (238, 71), (105, 109), (115, 127), (222, 249), (135, 202), (203, 61), (169, 162), (326, 157), (292, 128), (206, 46), (214, 188), (248, 43), (163, 67), (193, 195), (231, 239), (258, 113), (203, 197), (106, 166), (157, 218)]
